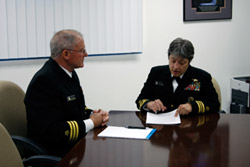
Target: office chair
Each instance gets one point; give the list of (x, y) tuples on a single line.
[(12, 108), (218, 91), (13, 118), (10, 157)]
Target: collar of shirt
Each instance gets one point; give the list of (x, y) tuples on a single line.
[(180, 76), (67, 72), (175, 83)]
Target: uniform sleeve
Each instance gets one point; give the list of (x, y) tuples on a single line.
[(46, 115), (145, 95), (208, 99), (72, 132), (77, 129)]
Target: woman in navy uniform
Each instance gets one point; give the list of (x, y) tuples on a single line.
[(179, 85)]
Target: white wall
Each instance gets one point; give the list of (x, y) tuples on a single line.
[(114, 82)]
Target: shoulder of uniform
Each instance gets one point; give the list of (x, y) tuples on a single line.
[(199, 72), (160, 68)]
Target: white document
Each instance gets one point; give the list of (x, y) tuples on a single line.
[(163, 118), (123, 132)]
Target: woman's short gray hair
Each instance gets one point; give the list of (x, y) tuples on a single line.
[(181, 47)]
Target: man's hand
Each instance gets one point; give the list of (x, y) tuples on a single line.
[(100, 117), (184, 109), (156, 106), (105, 119)]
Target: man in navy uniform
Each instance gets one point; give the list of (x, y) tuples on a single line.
[(179, 85), (57, 116)]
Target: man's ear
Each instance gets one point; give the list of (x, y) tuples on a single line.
[(65, 54)]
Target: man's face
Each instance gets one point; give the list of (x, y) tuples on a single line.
[(178, 65), (77, 55)]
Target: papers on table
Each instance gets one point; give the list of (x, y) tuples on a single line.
[(163, 118), (123, 132)]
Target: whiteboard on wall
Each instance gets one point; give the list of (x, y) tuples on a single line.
[(109, 27)]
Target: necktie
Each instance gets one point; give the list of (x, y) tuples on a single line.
[(175, 82), (178, 79)]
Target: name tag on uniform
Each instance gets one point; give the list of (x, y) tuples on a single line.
[(71, 98), (159, 83)]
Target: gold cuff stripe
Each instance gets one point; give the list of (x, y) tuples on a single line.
[(141, 102), (198, 106), (201, 107), (74, 130), (70, 134)]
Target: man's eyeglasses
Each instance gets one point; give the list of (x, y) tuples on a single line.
[(80, 51)]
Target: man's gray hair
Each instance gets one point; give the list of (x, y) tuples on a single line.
[(64, 39)]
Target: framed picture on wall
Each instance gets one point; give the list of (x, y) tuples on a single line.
[(195, 10)]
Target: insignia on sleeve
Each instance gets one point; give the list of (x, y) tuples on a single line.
[(142, 102), (74, 131), (66, 133), (201, 107)]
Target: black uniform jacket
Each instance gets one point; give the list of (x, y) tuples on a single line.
[(196, 87), (55, 106)]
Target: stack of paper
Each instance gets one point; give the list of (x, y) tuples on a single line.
[(163, 118), (123, 132)]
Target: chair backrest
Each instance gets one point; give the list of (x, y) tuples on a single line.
[(12, 108), (217, 88), (9, 155)]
